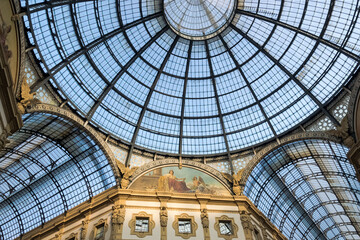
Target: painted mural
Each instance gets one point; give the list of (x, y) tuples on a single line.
[(185, 180)]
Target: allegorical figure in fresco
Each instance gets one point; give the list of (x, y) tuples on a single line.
[(198, 184), (169, 182)]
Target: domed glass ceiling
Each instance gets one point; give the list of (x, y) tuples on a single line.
[(198, 19), (124, 69)]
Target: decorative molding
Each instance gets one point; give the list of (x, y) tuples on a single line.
[(118, 215), (343, 133), (205, 223), (22, 43), (247, 224), (354, 157), (264, 234), (235, 227), (194, 226), (84, 228), (132, 223), (117, 220), (185, 163), (353, 104), (204, 218), (10, 119), (86, 128), (109, 197), (163, 222), (163, 217), (289, 139), (57, 236), (182, 209), (3, 138), (4, 31), (96, 225)]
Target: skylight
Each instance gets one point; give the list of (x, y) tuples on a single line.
[(134, 69)]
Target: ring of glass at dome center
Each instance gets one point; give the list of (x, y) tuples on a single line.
[(199, 19)]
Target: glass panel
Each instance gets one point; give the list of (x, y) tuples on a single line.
[(184, 226), (99, 232), (49, 167), (249, 71), (307, 191), (225, 227), (142, 225)]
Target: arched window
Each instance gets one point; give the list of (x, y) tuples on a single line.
[(308, 189), (49, 167)]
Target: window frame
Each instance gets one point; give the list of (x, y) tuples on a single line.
[(234, 227), (142, 225), (141, 215), (185, 217), (100, 223)]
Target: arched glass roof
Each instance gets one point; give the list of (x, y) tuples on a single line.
[(309, 190), (198, 19), (122, 67), (49, 167)]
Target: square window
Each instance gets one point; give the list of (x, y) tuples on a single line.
[(225, 228), (142, 224), (99, 232), (184, 226)]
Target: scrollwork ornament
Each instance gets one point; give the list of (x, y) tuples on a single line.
[(246, 221)]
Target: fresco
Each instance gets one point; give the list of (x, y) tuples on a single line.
[(185, 180)]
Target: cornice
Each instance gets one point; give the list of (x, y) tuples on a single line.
[(110, 196)]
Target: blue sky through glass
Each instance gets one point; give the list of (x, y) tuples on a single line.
[(266, 73)]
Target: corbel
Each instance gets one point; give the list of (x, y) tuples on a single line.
[(118, 219), (203, 200), (163, 199)]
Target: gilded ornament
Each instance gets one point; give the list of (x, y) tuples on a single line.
[(235, 181), (27, 98), (118, 216), (126, 174)]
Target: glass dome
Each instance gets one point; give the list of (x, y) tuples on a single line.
[(259, 69), (198, 19)]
